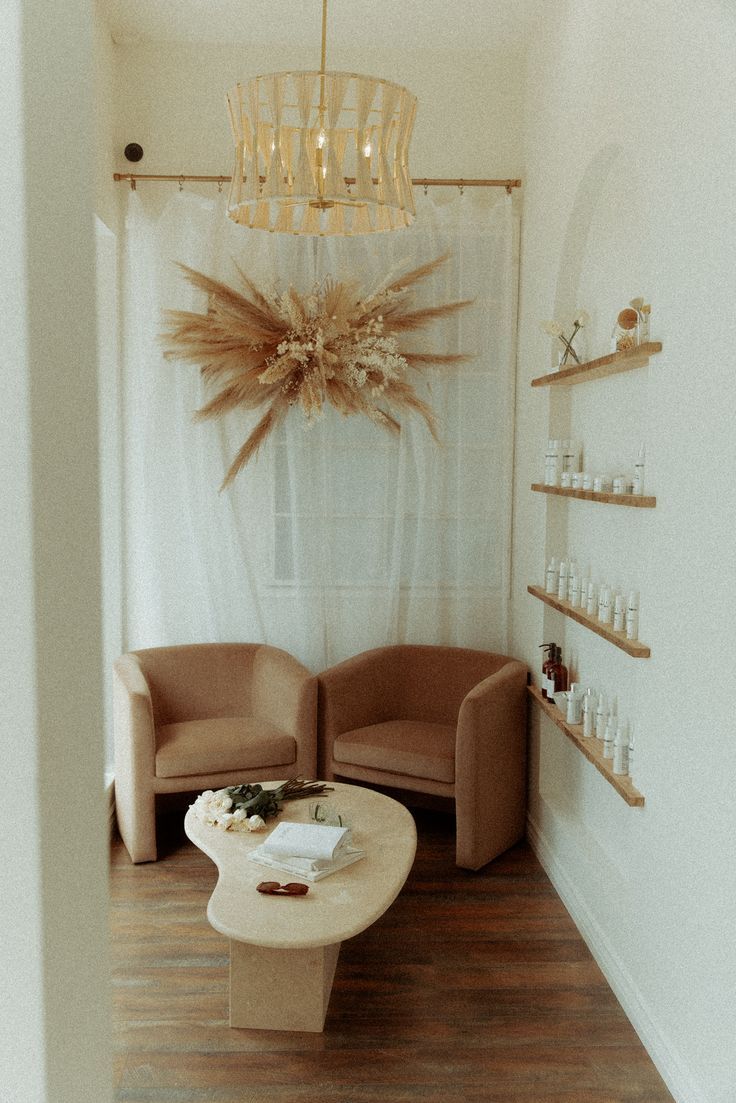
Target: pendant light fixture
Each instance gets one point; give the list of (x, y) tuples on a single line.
[(299, 135)]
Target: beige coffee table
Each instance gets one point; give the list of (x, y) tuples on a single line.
[(283, 949)]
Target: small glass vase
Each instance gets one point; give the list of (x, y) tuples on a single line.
[(324, 813), (565, 358)]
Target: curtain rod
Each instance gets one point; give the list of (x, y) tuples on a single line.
[(423, 182)]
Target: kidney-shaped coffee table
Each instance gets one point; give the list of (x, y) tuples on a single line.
[(284, 949)]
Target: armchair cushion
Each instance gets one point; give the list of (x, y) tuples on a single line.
[(219, 745), (411, 747)]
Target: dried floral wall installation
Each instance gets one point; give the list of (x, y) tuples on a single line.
[(264, 349)]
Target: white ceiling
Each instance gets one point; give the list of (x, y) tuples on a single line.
[(402, 24)]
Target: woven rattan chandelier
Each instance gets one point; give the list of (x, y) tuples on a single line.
[(301, 136)]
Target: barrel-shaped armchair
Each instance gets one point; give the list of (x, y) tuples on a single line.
[(204, 716), (447, 721)]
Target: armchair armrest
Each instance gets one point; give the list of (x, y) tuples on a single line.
[(135, 741), (490, 765)]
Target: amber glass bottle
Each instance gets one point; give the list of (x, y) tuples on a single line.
[(546, 664), (558, 673)]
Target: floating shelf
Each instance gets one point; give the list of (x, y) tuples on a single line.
[(640, 501), (634, 648), (592, 749), (612, 364)]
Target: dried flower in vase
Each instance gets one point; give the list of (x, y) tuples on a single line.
[(554, 329), (336, 345)]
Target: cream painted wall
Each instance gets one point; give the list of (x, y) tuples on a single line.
[(106, 191), (629, 151), (107, 231), (54, 997)]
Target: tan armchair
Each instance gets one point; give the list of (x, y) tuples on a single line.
[(203, 716), (441, 720)]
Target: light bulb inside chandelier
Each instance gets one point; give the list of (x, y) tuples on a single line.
[(299, 136)]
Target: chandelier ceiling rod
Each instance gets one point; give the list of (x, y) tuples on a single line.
[(323, 62)]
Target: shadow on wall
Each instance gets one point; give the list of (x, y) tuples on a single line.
[(587, 197)]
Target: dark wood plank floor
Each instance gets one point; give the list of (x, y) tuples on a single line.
[(472, 988)]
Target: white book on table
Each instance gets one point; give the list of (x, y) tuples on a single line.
[(308, 850), (317, 841), (307, 868)]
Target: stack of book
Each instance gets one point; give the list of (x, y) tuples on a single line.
[(308, 850)]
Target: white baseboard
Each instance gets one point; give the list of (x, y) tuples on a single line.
[(669, 1064)]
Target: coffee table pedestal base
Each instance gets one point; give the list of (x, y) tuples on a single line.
[(280, 989)]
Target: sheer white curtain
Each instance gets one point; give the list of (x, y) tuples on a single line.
[(337, 537)]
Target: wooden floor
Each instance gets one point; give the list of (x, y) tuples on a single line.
[(472, 987)]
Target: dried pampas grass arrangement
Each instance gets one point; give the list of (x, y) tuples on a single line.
[(272, 350)]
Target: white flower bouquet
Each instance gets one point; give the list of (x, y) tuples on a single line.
[(247, 807), (216, 808)]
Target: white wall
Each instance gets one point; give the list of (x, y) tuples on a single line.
[(629, 160), (106, 191), (107, 230), (54, 1009)]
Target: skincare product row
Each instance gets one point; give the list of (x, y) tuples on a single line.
[(589, 708), (601, 721), (562, 458), (617, 608), (562, 467)]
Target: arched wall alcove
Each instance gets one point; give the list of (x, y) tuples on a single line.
[(596, 270)]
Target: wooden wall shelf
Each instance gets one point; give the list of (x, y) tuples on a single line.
[(640, 501), (592, 749), (634, 648), (611, 364)]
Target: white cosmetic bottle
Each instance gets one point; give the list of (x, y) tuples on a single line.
[(573, 571), (552, 463), (583, 595), (591, 607), (574, 705), (550, 578), (619, 613), (621, 750), (632, 616), (604, 605), (568, 456), (574, 589), (562, 579), (588, 713), (601, 715), (609, 735), (638, 483)]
